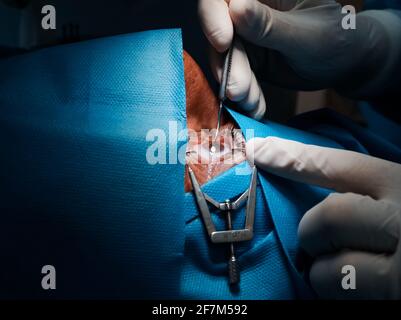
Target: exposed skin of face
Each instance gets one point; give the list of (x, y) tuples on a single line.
[(202, 108)]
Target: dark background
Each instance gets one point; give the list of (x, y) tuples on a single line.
[(20, 31)]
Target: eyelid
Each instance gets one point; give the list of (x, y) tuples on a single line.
[(233, 138)]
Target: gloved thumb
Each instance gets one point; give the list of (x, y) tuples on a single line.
[(341, 170)]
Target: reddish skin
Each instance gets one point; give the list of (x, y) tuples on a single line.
[(202, 112)]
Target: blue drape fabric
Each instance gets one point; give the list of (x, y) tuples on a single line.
[(76, 189)]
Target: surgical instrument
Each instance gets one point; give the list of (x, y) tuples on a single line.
[(224, 82), (230, 235)]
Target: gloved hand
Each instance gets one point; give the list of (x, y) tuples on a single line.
[(358, 225), (302, 45)]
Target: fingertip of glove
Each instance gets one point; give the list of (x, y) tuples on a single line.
[(263, 152), (255, 149), (221, 39), (242, 12), (260, 111), (318, 273)]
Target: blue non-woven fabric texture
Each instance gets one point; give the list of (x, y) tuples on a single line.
[(376, 140), (78, 193), (76, 189), (264, 270)]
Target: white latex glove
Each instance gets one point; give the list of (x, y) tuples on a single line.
[(358, 225), (302, 46)]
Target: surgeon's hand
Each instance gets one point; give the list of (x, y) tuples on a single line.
[(202, 110), (301, 46), (358, 224)]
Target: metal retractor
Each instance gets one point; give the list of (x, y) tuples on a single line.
[(228, 236)]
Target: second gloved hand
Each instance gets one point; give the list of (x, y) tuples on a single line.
[(301, 45), (358, 225)]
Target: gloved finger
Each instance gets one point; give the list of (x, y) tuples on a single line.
[(254, 103), (254, 21), (341, 170), (350, 221), (216, 23), (242, 86), (265, 26), (372, 276)]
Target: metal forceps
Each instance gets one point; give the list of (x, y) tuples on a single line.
[(224, 81), (228, 236)]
